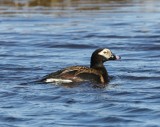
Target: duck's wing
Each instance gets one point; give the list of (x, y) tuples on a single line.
[(66, 73), (75, 74), (86, 74), (51, 75), (90, 74)]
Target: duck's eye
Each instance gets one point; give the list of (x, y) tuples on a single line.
[(105, 52)]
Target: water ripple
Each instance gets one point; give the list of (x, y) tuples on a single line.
[(37, 40), (70, 46)]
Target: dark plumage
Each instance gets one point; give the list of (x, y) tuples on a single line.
[(96, 73)]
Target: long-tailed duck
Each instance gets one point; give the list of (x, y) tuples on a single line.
[(96, 73)]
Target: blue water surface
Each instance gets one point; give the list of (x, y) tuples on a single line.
[(37, 38)]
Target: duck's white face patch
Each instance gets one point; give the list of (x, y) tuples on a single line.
[(106, 53)]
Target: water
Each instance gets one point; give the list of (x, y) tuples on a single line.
[(39, 37)]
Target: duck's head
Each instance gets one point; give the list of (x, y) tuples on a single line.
[(102, 55)]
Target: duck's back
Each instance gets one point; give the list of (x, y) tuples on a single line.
[(75, 74)]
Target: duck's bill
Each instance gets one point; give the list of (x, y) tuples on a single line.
[(114, 57), (117, 57)]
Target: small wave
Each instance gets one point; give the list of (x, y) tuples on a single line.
[(115, 119), (13, 119), (72, 46), (140, 78), (8, 43), (140, 110), (105, 36)]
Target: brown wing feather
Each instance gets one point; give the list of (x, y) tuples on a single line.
[(77, 73), (87, 73)]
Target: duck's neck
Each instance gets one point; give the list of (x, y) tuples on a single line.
[(100, 67)]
